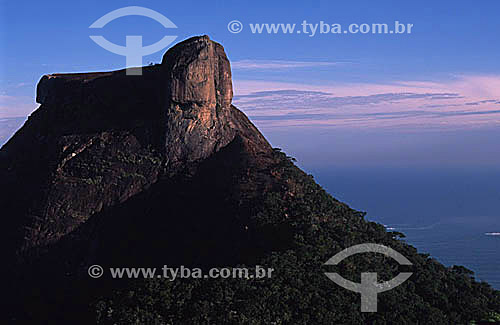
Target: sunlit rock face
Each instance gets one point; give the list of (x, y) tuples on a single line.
[(199, 72), (199, 94)]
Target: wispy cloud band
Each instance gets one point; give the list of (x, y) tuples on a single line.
[(468, 101), (279, 65)]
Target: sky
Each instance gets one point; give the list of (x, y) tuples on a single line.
[(430, 98)]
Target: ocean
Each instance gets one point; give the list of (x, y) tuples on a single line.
[(451, 214)]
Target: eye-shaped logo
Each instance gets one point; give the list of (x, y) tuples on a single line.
[(133, 50), (369, 287)]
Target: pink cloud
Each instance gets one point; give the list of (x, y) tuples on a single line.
[(468, 101), (16, 106)]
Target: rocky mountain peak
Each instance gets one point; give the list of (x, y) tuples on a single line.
[(200, 119), (198, 71), (112, 136)]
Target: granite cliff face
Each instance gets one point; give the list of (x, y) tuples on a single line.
[(200, 119), (99, 139)]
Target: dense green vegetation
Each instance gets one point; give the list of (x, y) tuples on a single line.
[(309, 226)]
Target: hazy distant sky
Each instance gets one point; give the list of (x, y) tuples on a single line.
[(429, 97)]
